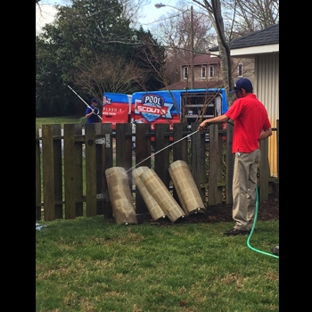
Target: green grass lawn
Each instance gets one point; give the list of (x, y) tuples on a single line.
[(57, 120), (93, 264)]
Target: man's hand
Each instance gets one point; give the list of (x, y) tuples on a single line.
[(202, 126)]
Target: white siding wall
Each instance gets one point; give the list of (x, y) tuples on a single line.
[(266, 87)]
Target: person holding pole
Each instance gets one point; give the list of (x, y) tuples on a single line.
[(92, 111), (251, 124)]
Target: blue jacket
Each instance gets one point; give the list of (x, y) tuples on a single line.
[(93, 118)]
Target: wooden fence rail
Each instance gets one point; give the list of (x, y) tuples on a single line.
[(71, 164)]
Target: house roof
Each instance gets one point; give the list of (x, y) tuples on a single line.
[(267, 36), (202, 59), (197, 85)]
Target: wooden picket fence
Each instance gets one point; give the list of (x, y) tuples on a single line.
[(71, 163)]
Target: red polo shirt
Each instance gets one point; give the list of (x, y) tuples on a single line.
[(250, 117)]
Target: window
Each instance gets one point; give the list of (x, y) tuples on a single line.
[(240, 69), (211, 70), (203, 72), (185, 72)]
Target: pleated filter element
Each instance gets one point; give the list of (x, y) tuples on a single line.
[(153, 207), (161, 194), (186, 188), (120, 195)]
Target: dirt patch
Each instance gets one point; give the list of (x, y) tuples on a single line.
[(267, 210)]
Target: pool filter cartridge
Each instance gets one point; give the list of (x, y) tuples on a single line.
[(120, 195), (161, 194), (154, 209), (186, 188)]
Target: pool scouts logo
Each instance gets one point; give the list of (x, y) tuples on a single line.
[(152, 107)]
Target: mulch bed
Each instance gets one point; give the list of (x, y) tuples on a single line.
[(268, 210)]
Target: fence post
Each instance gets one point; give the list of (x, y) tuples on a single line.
[(142, 151), (48, 172), (38, 176), (107, 162), (79, 160), (91, 199), (124, 147), (214, 196), (99, 167), (179, 150), (229, 165), (162, 159), (58, 179), (69, 171), (198, 156)]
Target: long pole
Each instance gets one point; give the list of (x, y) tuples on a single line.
[(160, 5), (84, 101), (192, 48), (162, 150)]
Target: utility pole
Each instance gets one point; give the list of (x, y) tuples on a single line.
[(160, 5), (192, 49)]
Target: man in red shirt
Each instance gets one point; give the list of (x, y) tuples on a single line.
[(251, 124)]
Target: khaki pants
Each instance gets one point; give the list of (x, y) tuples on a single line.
[(244, 188)]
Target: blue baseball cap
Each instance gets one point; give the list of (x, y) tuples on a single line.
[(242, 83), (94, 100)]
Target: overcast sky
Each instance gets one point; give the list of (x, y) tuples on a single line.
[(45, 12)]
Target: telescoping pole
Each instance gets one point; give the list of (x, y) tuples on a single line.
[(84, 101)]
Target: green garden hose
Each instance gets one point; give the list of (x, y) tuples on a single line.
[(252, 229)]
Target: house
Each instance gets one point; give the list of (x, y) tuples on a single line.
[(263, 47), (207, 72)]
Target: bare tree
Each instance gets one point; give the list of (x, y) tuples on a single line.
[(213, 8), (150, 55), (100, 74), (176, 30), (246, 16), (131, 10)]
